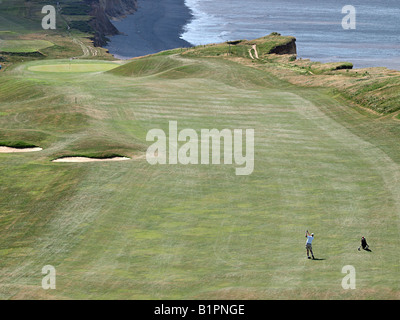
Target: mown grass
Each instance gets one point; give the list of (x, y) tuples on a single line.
[(23, 46), (133, 231), (129, 230), (74, 67), (148, 66)]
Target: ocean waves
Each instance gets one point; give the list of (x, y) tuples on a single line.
[(204, 27), (315, 24)]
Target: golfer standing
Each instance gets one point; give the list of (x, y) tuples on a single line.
[(364, 244), (310, 238)]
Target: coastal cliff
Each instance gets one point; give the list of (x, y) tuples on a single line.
[(102, 12), (286, 48), (259, 48)]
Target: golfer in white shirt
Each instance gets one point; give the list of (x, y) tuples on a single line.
[(310, 238)]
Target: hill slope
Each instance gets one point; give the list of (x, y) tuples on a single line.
[(136, 231), (326, 159)]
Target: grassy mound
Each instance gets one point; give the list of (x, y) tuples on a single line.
[(17, 144), (23, 46), (147, 66), (100, 148)]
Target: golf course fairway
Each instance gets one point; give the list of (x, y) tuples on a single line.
[(20, 46), (131, 230), (75, 66)]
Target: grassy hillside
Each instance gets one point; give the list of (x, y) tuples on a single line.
[(376, 89), (130, 230), (22, 37), (326, 159)]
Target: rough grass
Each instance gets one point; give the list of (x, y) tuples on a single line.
[(377, 89), (240, 48)]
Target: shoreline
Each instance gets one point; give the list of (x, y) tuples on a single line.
[(162, 25), (157, 25), (316, 26)]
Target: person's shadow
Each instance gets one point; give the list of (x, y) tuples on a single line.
[(368, 249)]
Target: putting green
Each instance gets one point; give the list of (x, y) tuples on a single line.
[(74, 67)]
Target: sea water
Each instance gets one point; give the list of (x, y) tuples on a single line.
[(316, 24)]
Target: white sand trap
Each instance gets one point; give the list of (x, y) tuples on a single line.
[(85, 159), (12, 150)]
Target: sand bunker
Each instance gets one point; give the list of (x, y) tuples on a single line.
[(85, 159), (12, 150)]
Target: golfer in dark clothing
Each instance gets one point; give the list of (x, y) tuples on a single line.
[(364, 244)]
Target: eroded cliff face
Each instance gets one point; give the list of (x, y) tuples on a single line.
[(104, 10), (118, 8), (288, 48)]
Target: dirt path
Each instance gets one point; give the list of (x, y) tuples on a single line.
[(87, 50), (254, 47)]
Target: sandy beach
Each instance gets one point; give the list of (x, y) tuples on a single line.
[(157, 25)]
